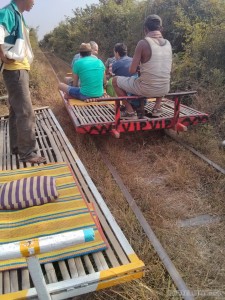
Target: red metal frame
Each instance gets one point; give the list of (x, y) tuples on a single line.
[(177, 122)]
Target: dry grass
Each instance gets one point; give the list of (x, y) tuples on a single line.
[(168, 183)]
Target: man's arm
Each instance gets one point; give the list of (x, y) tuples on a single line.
[(2, 55), (136, 58), (4, 58), (75, 79)]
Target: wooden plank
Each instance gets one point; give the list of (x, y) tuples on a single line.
[(25, 279), (100, 261), (78, 115), (6, 282), (53, 143), (64, 270), (79, 266), (42, 148), (88, 264), (14, 286), (50, 272), (45, 147), (72, 268), (1, 283)]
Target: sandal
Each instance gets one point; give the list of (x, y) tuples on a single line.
[(128, 115), (35, 160), (156, 112), (122, 107)]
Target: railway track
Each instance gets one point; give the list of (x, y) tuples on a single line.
[(200, 219)]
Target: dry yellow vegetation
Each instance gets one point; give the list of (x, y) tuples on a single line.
[(168, 183)]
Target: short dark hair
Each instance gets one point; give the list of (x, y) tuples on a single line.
[(121, 48), (85, 53), (152, 24)]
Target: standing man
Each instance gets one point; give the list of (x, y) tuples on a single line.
[(154, 56), (16, 56)]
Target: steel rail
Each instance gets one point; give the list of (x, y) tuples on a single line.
[(203, 157), (171, 269), (177, 279)]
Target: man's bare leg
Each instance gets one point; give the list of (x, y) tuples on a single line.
[(157, 105), (64, 88), (121, 93)]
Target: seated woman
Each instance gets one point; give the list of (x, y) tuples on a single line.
[(90, 72)]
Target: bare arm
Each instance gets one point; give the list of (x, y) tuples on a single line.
[(136, 58), (75, 79)]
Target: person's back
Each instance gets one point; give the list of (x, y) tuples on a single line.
[(121, 67), (122, 64), (91, 74), (155, 73), (89, 71), (154, 57), (94, 52)]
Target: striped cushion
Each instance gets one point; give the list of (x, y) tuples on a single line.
[(28, 192)]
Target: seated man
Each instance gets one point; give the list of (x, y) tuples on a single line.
[(90, 72), (94, 52), (120, 67), (154, 56)]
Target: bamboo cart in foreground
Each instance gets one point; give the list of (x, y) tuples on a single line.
[(74, 276)]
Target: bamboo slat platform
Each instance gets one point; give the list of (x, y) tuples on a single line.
[(89, 115), (77, 276), (105, 118)]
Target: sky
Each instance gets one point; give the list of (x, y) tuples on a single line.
[(47, 14)]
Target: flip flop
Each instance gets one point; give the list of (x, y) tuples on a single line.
[(156, 112), (35, 160)]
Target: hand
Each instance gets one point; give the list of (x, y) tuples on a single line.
[(7, 60)]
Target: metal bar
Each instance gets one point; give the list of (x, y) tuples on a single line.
[(38, 278)]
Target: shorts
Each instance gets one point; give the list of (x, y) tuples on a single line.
[(128, 84), (136, 86), (74, 92)]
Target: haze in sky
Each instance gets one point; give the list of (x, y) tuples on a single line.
[(47, 14)]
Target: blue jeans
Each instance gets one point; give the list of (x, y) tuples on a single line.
[(74, 92)]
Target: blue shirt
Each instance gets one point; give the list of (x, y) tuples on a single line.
[(121, 66)]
